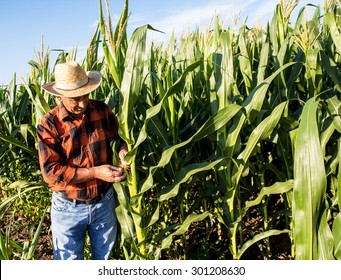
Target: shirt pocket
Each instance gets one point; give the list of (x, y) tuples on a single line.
[(100, 146), (99, 135)]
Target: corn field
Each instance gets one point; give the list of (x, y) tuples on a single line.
[(233, 137)]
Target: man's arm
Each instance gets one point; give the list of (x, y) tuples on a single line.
[(60, 175), (107, 173), (50, 157)]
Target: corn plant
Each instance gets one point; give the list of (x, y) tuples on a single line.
[(259, 123)]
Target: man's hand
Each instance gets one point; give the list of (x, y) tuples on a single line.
[(109, 173), (106, 172)]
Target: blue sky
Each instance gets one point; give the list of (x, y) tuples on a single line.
[(65, 24)]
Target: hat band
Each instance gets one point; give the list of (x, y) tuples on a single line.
[(72, 86)]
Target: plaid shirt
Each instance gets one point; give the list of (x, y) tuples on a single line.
[(66, 143)]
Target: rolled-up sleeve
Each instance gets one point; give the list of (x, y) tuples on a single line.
[(55, 172)]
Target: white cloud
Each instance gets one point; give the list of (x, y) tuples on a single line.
[(180, 20), (184, 18)]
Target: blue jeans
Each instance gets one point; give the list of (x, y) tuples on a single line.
[(71, 222)]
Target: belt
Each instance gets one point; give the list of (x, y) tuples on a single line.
[(83, 201)]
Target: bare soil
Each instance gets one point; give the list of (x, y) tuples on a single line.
[(200, 244)]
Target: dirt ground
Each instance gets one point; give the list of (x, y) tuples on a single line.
[(198, 245)]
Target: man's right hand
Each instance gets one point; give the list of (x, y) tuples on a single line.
[(108, 173)]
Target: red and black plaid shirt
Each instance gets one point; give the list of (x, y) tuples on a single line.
[(66, 143)]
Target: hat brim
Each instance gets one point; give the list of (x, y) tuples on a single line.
[(94, 80)]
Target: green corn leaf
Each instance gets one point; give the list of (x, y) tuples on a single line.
[(261, 132), (336, 230), (153, 111), (132, 81), (212, 124), (28, 252), (23, 105), (309, 187), (153, 217), (252, 104), (257, 238), (331, 68), (192, 218), (223, 71), (184, 174), (127, 227), (126, 222), (245, 61), (325, 237), (334, 106), (18, 143), (277, 188), (334, 29), (263, 62), (4, 248), (41, 104), (123, 213), (115, 148), (23, 187)]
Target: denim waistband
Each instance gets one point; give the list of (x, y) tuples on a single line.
[(83, 201)]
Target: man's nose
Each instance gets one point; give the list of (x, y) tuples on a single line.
[(81, 104)]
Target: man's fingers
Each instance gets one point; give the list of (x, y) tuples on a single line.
[(119, 178)]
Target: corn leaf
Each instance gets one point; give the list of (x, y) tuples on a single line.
[(309, 187), (153, 111), (132, 80), (257, 238), (192, 218), (184, 174), (18, 143), (262, 131), (336, 230), (212, 124), (334, 30), (277, 188), (123, 213), (28, 252)]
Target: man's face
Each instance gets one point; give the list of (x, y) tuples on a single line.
[(75, 105)]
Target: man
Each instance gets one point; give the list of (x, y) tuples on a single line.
[(75, 159)]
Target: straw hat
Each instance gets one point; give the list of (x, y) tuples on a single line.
[(72, 81)]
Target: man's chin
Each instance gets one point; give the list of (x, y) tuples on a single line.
[(78, 113)]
